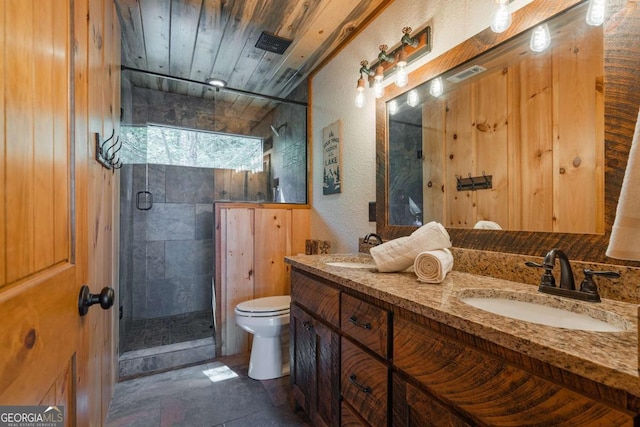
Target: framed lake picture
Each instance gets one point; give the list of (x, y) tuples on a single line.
[(332, 146)]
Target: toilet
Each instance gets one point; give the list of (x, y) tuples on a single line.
[(267, 319)]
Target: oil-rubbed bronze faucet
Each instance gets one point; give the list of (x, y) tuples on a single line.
[(367, 239), (588, 290)]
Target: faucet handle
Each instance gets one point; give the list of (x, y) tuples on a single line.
[(589, 286), (547, 277)]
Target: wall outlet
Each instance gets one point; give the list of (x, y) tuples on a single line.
[(372, 211)]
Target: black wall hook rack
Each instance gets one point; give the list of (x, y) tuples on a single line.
[(106, 151), (474, 183)]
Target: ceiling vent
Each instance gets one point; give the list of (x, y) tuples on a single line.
[(272, 43), (465, 74)]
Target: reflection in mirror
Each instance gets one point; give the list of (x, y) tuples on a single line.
[(512, 139)]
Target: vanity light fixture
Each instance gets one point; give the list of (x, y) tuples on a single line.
[(383, 57), (502, 18), (595, 12), (540, 38), (437, 87), (360, 93), (402, 77), (378, 88), (364, 69), (413, 98)]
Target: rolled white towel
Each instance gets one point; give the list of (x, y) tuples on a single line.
[(487, 225), (399, 254), (433, 266)]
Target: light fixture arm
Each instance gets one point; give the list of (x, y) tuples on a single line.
[(364, 69), (383, 57), (406, 39)]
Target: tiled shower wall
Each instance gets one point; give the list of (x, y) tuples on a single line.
[(167, 252)]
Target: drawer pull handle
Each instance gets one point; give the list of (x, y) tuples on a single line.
[(307, 325), (364, 389), (354, 320)]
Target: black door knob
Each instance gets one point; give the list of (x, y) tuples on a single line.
[(86, 299)]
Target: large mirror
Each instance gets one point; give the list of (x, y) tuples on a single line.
[(534, 142), (513, 139)]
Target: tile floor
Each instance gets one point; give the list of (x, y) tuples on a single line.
[(145, 333), (188, 397)]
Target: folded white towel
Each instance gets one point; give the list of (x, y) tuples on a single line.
[(433, 266), (399, 254), (487, 225)]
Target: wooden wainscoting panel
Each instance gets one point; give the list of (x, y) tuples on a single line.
[(272, 244), (300, 230), (433, 163)]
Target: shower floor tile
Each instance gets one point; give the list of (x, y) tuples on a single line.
[(145, 333)]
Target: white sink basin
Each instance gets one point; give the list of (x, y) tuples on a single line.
[(541, 314), (350, 264)]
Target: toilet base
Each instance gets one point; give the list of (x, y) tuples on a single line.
[(265, 362)]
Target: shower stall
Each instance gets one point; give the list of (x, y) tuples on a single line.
[(181, 156)]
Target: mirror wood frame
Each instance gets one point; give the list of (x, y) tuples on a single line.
[(621, 102)]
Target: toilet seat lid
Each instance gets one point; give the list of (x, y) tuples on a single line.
[(266, 305)]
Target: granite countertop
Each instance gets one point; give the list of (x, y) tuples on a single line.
[(610, 358)]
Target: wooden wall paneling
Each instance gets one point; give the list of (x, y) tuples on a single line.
[(182, 41), (82, 152), (490, 126), (460, 155), (536, 142), (61, 134), (237, 274), (514, 156), (433, 164), (94, 323), (3, 147), (19, 136), (271, 245), (577, 145), (43, 201), (300, 230)]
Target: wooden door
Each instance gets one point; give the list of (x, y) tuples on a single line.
[(51, 229)]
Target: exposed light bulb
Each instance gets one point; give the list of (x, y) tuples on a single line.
[(436, 87), (360, 93), (413, 98), (595, 13), (540, 38), (502, 18), (402, 77), (378, 88), (393, 107)]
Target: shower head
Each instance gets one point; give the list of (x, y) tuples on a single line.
[(276, 130)]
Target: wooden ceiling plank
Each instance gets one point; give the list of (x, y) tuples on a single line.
[(213, 20), (185, 20), (157, 33), (306, 54), (133, 52)]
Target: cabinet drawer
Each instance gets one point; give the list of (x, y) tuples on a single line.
[(364, 383), (488, 388), (366, 323), (319, 298)]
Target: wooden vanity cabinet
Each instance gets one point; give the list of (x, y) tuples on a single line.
[(315, 348), (491, 391), (354, 363)]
